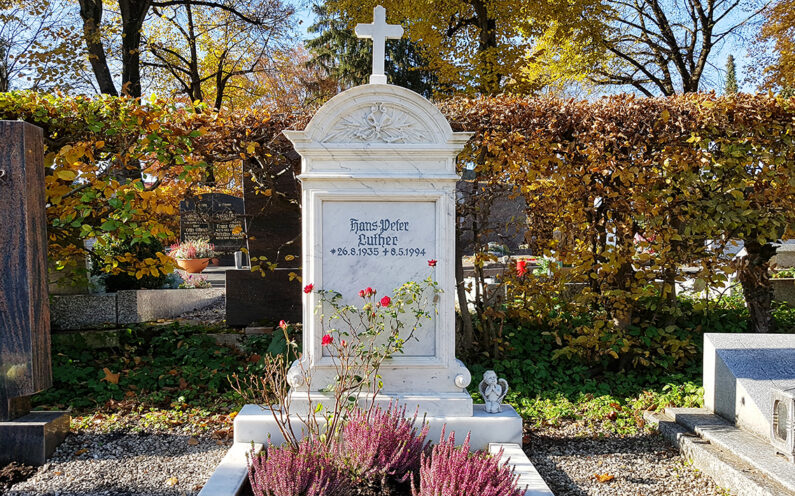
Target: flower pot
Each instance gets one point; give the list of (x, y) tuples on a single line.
[(193, 265)]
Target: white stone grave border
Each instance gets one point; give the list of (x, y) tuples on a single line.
[(230, 477)]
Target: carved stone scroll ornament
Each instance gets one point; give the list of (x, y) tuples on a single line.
[(379, 123)]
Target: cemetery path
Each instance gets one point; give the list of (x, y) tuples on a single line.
[(585, 460), (126, 463)]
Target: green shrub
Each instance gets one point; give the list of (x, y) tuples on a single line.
[(122, 280)]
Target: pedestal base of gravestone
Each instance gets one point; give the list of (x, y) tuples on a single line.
[(255, 424), (32, 438)]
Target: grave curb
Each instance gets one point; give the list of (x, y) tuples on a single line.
[(726, 470), (230, 475), (529, 477), (87, 311)]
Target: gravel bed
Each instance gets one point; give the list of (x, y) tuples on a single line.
[(572, 459), (123, 463)]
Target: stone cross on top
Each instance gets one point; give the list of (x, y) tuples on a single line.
[(379, 31)]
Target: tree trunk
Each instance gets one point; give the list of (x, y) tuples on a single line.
[(487, 42), (755, 279), (91, 13), (133, 13), (467, 331)]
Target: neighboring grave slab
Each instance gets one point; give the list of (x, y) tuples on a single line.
[(215, 216), (740, 372), (273, 230)]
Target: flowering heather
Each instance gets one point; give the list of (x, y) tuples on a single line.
[(384, 444), (309, 470), (192, 249), (450, 470)]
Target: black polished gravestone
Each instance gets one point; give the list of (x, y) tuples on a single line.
[(217, 217), (25, 369), (273, 227)]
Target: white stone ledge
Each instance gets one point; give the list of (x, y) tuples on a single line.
[(230, 475), (255, 424), (529, 478)]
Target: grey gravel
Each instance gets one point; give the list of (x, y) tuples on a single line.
[(125, 463), (213, 314), (569, 457)]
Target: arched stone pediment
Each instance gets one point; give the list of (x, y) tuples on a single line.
[(377, 114)]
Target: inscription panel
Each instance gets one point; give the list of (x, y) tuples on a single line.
[(380, 245), (214, 216)]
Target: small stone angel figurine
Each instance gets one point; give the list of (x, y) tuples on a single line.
[(493, 391)]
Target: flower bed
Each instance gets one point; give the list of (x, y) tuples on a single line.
[(379, 453)]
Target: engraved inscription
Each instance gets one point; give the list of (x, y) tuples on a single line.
[(378, 238)]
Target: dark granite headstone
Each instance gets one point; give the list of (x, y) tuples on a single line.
[(24, 307), (273, 229), (506, 221), (25, 366), (217, 217)]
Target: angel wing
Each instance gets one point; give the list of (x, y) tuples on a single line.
[(504, 384), (481, 388)]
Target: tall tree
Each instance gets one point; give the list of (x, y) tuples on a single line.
[(348, 59), (133, 15), (731, 76), (664, 46), (773, 54), (206, 53), (479, 45)]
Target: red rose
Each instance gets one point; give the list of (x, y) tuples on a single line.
[(521, 268), (283, 324), (308, 288), (385, 301), (344, 343), (327, 340), (370, 291), (431, 263), (362, 293)]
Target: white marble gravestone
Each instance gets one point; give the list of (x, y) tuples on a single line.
[(378, 178)]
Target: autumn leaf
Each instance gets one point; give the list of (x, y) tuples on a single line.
[(604, 477), (172, 481), (110, 376)]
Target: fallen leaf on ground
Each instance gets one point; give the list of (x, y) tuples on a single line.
[(81, 451), (604, 477), (193, 441), (172, 481)]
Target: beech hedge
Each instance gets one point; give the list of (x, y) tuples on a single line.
[(622, 191)]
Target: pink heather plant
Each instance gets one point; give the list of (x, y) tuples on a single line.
[(382, 443), (450, 470), (309, 470)]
